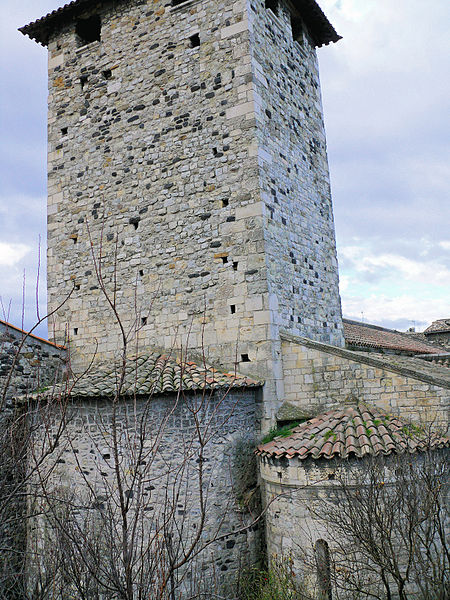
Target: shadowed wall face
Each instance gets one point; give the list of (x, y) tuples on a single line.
[(181, 468)]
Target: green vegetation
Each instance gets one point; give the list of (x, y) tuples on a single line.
[(284, 431), (330, 434), (276, 583)]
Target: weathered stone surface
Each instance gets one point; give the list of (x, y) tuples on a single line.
[(164, 479), (319, 377), (171, 156), (27, 363)]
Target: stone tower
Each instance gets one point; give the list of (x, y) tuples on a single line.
[(186, 140)]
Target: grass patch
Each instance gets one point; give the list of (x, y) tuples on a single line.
[(284, 431)]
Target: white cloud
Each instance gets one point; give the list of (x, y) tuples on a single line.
[(389, 265), (11, 254), (404, 308)]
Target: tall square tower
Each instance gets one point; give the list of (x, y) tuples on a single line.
[(186, 140)]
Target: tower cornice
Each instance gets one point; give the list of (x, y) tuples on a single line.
[(322, 31)]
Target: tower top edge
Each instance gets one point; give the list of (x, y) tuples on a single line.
[(40, 30)]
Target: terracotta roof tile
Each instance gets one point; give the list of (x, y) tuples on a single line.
[(352, 431), (372, 336), (439, 326), (154, 373)]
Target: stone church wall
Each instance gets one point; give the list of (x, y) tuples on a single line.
[(168, 482), (318, 377), (297, 494)]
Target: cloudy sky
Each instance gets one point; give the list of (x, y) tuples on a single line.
[(386, 96)]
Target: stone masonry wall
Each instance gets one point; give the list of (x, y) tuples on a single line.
[(39, 363), (151, 146), (294, 177), (316, 380), (159, 154), (23, 369), (296, 493), (85, 457)]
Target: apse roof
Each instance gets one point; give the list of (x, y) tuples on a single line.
[(319, 26), (351, 431)]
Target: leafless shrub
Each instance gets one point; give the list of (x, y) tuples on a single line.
[(386, 521)]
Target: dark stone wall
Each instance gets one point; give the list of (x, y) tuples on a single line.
[(27, 363)]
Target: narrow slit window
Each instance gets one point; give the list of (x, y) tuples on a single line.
[(144, 320), (323, 569), (64, 130), (194, 40), (141, 272), (224, 259), (88, 30), (225, 202), (135, 222), (235, 266), (233, 309), (83, 81), (75, 331)]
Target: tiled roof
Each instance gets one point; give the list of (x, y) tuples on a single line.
[(351, 431), (372, 336), (439, 326), (320, 28), (151, 374)]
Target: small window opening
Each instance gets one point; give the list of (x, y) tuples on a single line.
[(195, 40), (135, 222), (88, 30), (225, 202), (297, 29), (233, 309), (141, 272), (215, 151), (106, 456), (64, 130), (235, 266), (323, 569), (273, 5), (144, 320), (245, 358), (83, 81), (75, 331), (224, 259), (107, 74)]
